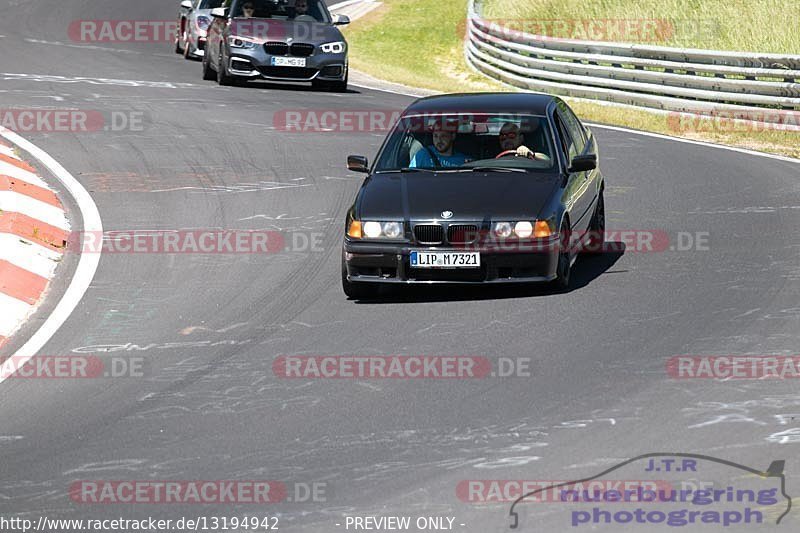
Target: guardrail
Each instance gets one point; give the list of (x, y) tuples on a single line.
[(736, 84)]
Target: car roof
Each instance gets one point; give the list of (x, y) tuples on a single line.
[(529, 103)]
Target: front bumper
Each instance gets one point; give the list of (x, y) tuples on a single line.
[(257, 63), (389, 263)]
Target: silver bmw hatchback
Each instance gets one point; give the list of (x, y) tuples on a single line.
[(277, 40)]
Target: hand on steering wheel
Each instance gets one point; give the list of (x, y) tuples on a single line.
[(507, 153)]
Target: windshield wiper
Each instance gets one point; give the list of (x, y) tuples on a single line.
[(496, 169)]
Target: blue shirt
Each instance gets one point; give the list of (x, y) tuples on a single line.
[(423, 159)]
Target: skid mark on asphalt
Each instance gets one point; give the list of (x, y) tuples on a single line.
[(746, 210), (241, 187), (195, 182), (82, 46), (192, 329), (285, 222), (120, 465), (779, 416), (121, 317)]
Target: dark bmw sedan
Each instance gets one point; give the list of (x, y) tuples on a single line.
[(278, 40), (477, 189)]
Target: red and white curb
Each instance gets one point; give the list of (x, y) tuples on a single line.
[(47, 236), (33, 231)]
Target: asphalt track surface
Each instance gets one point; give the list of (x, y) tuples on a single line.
[(598, 392)]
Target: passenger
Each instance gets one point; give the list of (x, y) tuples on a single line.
[(444, 138), (511, 139), (248, 10)]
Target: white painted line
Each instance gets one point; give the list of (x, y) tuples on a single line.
[(87, 265), (5, 150), (401, 93), (699, 143), (28, 255), (13, 313), (340, 5), (49, 214), (21, 174)]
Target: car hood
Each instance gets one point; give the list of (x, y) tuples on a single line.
[(263, 30), (470, 196)]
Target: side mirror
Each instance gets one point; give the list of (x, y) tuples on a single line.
[(218, 12), (582, 163), (357, 163), (341, 20), (186, 4)]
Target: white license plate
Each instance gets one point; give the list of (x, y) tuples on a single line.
[(288, 61), (421, 259)]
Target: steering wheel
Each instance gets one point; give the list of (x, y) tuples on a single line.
[(506, 153)]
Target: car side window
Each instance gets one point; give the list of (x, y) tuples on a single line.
[(574, 127), (567, 144)]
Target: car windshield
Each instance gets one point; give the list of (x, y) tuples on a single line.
[(466, 142), (299, 10), (210, 4)]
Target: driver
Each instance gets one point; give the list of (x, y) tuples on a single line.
[(444, 138), (301, 9), (511, 139)]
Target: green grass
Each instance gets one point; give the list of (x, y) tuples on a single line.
[(419, 43), (416, 42), (742, 25)]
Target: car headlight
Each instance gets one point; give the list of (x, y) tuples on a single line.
[(375, 230), (523, 229), (502, 229), (238, 42), (333, 48), (202, 22)]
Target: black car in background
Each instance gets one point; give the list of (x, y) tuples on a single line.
[(278, 40), (452, 198)]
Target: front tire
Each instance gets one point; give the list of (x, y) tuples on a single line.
[(564, 266), (187, 47), (208, 72), (178, 49), (357, 290), (332, 86), (223, 78), (597, 227)]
